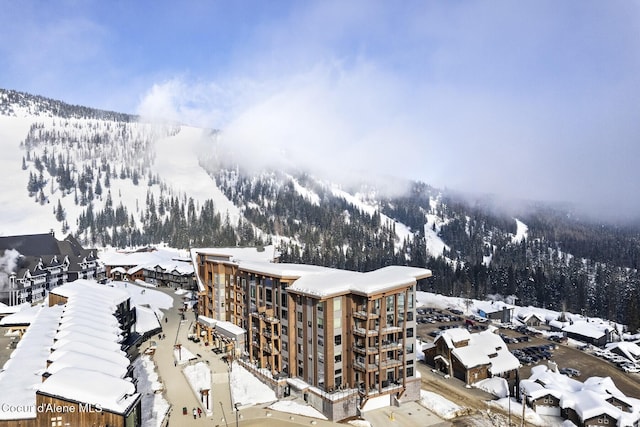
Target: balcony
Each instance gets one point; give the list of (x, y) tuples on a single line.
[(266, 318), (267, 348), (361, 366), (390, 363), (365, 350), (362, 314), (365, 332), (391, 345), (389, 329)]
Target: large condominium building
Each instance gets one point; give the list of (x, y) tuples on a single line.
[(339, 338), (33, 265)]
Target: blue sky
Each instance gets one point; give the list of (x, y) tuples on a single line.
[(527, 99)]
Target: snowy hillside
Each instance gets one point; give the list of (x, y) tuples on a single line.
[(114, 180)]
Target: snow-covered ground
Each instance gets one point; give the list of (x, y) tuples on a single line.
[(177, 163), (154, 405), (199, 378), (183, 356), (472, 306), (522, 232), (246, 389), (440, 405)]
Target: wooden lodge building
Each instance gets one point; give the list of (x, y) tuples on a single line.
[(71, 367), (39, 263), (340, 339)]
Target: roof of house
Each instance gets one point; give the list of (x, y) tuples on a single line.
[(31, 354), (112, 393), (483, 348), (588, 329), (630, 350), (588, 399), (84, 351)]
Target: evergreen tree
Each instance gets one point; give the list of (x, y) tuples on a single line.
[(60, 213)]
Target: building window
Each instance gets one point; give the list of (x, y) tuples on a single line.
[(337, 358), (284, 314), (320, 323), (390, 303), (409, 332), (299, 316), (409, 316), (337, 340), (299, 332), (284, 330), (338, 381), (320, 306), (409, 372), (337, 304)]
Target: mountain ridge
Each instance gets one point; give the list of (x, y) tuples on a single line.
[(112, 179)]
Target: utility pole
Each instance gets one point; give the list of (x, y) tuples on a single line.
[(223, 415)]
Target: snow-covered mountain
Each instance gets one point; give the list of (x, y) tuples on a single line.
[(113, 179)]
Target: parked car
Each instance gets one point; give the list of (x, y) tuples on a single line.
[(570, 372), (631, 368)]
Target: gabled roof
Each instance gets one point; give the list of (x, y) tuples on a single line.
[(588, 329), (31, 244), (111, 393), (588, 399), (483, 348)]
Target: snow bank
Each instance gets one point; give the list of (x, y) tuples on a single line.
[(247, 389), (442, 407), (199, 377), (154, 405), (291, 407), (496, 386)]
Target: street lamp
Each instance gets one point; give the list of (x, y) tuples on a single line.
[(235, 405)]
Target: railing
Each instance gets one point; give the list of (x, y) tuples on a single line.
[(391, 329), (365, 332), (362, 314)]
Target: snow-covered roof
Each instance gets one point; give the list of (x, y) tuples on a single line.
[(70, 359), (630, 350), (87, 348), (249, 254), (234, 255), (588, 329), (588, 399), (225, 328), (22, 377), (111, 393), (91, 289), (69, 336), (312, 279), (22, 317), (112, 357), (483, 348), (332, 282)]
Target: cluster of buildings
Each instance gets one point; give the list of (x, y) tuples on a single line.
[(590, 331), (595, 402), (342, 340), (153, 266), (33, 265), (73, 366)]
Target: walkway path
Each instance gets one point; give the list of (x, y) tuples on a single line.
[(180, 395)]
